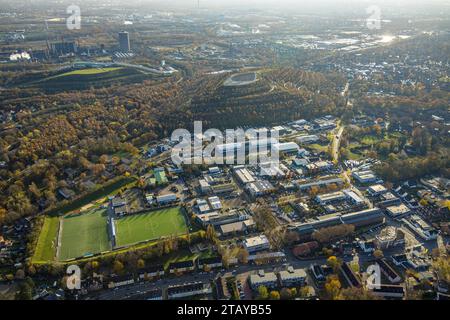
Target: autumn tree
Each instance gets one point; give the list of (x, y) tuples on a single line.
[(334, 263), (118, 267), (263, 293), (274, 295), (332, 287)]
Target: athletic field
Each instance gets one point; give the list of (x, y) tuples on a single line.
[(46, 245), (83, 234), (149, 226)]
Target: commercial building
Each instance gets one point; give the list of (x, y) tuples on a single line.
[(388, 199), (377, 190), (303, 186), (398, 211), (327, 198), (203, 207), (273, 170), (257, 243), (124, 41), (166, 198), (205, 188), (215, 203), (353, 197), (420, 227), (223, 188), (214, 171), (287, 148), (119, 205), (358, 219), (160, 176), (307, 139), (364, 217), (216, 218), (364, 177), (244, 176), (237, 227), (260, 188), (319, 166), (281, 130)]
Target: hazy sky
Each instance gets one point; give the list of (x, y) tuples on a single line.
[(298, 4), (293, 6)]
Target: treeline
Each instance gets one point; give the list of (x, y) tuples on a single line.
[(398, 169)]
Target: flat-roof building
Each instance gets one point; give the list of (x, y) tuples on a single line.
[(366, 176), (257, 243), (244, 176), (307, 139), (398, 211), (166, 198), (269, 280), (260, 188), (287, 147), (420, 227), (364, 217), (215, 203), (324, 199), (358, 219), (292, 277), (353, 197), (319, 183), (377, 190), (236, 227)]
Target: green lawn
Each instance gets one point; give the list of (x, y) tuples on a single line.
[(184, 255), (46, 245), (149, 226), (89, 71), (370, 140), (84, 234), (318, 147)]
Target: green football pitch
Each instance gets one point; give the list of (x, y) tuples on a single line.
[(149, 226), (84, 234)]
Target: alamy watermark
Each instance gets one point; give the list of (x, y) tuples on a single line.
[(373, 280), (373, 22), (73, 22), (74, 277)]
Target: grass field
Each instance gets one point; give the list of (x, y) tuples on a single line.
[(318, 147), (84, 234), (149, 226), (46, 245), (86, 72), (184, 255), (85, 78)]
